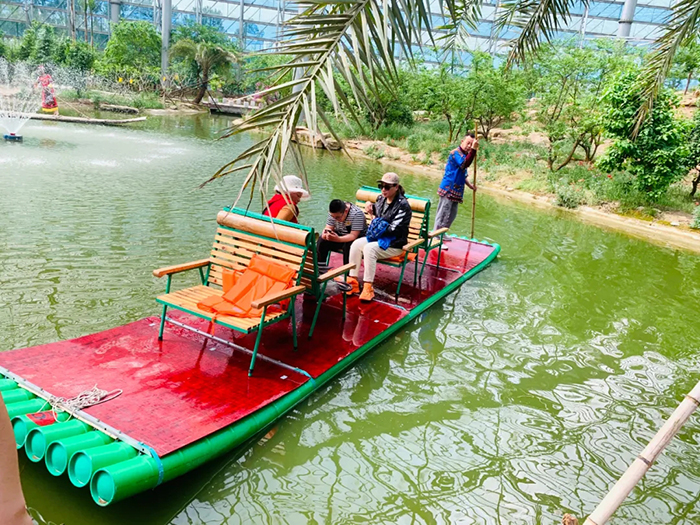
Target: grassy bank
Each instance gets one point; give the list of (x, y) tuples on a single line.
[(140, 100), (515, 159)]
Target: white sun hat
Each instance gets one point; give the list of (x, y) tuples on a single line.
[(292, 184)]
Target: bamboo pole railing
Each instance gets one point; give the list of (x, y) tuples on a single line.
[(645, 460)]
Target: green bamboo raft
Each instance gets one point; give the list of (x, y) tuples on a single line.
[(102, 447)]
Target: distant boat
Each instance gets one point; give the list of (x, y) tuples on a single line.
[(232, 106)]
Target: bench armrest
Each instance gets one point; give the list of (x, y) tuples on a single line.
[(160, 272), (331, 274), (412, 245), (277, 297), (437, 232)]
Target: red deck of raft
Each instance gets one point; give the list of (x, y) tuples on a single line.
[(183, 388)]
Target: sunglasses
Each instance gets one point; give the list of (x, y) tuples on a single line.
[(383, 186)]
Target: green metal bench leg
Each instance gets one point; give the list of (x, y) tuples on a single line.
[(294, 322), (345, 300), (257, 341), (415, 269), (162, 323), (319, 301), (403, 269), (425, 260)]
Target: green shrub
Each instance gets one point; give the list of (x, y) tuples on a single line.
[(392, 131), (659, 155), (696, 218), (568, 195)]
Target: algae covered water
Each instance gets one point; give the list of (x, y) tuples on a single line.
[(522, 396)]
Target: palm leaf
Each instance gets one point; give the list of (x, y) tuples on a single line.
[(537, 20), (464, 16), (682, 27), (352, 38)]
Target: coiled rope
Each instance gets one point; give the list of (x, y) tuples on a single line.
[(86, 398)]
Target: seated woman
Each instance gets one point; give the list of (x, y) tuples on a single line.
[(393, 207), (283, 204), (346, 222)]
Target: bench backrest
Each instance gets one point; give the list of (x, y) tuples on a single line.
[(420, 207), (240, 234)]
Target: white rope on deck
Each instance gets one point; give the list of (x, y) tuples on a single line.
[(86, 398)]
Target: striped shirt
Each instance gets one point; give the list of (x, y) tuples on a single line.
[(355, 221)]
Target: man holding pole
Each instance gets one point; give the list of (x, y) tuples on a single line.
[(451, 189)]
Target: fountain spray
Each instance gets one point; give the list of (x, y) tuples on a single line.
[(18, 97)]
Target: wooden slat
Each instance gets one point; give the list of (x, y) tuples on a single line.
[(189, 297), (233, 258), (264, 246), (245, 253), (226, 258)]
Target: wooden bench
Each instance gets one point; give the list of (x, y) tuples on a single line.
[(240, 235), (419, 234)]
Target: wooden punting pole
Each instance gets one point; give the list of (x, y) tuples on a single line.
[(476, 137), (639, 467)]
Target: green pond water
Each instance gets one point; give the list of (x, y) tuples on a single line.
[(522, 396)]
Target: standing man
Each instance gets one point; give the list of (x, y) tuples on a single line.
[(346, 223), (451, 189)]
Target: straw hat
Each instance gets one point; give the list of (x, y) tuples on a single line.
[(292, 184)]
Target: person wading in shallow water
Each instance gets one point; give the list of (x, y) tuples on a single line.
[(12, 506), (451, 189), (386, 235)]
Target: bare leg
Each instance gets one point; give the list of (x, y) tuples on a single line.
[(12, 506)]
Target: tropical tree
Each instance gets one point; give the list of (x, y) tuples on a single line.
[(659, 156), (441, 94), (208, 57), (132, 52), (359, 39)]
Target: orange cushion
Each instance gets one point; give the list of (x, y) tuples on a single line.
[(262, 277), (398, 259)]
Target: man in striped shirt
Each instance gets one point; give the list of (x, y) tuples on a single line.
[(346, 223)]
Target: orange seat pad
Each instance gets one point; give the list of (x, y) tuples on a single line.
[(262, 276), (398, 259)]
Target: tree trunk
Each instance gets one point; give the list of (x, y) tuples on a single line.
[(696, 182), (202, 90), (571, 156), (85, 10), (687, 84), (92, 28)]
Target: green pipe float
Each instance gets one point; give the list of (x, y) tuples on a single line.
[(22, 408), (60, 452), (7, 384), (16, 394), (85, 462), (118, 481), (39, 438), (22, 424)]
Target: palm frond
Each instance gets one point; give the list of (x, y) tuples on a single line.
[(537, 20), (464, 16), (353, 38), (683, 26)]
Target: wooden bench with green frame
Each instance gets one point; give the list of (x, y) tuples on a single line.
[(419, 236), (240, 235)]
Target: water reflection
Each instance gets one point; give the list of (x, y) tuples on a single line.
[(519, 398)]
